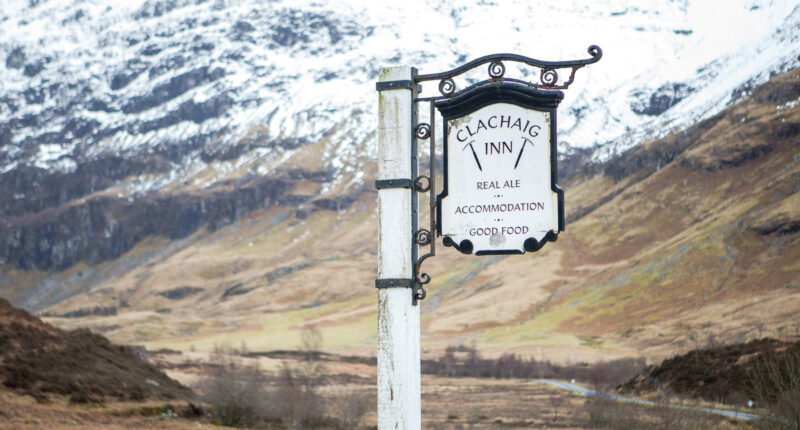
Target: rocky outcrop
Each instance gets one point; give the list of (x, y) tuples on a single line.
[(298, 27), (132, 69), (173, 88), (577, 161), (56, 220), (334, 204), (102, 228), (78, 313), (728, 157), (180, 292), (187, 111), (779, 226), (272, 276), (657, 102), (657, 154), (16, 58), (226, 151), (33, 190), (777, 92), (652, 157), (171, 63)]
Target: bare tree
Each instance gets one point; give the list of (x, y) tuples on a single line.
[(310, 345), (555, 402), (775, 381), (349, 408), (311, 371), (301, 403), (669, 417), (235, 390)]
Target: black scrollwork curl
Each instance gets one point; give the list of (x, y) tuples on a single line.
[(497, 69), (423, 278), (447, 87), (421, 293), (423, 131), (595, 51), (422, 237), (549, 77), (422, 183)]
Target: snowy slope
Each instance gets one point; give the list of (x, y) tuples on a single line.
[(80, 79)]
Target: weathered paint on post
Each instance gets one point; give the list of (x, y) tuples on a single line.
[(399, 404)]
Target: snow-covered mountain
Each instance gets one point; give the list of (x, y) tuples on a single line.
[(142, 98), (84, 78)]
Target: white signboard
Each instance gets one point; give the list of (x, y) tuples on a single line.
[(500, 197)]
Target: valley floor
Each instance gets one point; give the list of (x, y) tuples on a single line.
[(447, 403)]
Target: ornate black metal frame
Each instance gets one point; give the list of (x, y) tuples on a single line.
[(515, 94), (549, 79)]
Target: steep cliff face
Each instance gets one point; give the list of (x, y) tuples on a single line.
[(103, 228)]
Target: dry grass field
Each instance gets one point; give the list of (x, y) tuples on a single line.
[(447, 403)]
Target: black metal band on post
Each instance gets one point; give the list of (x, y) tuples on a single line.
[(394, 85), (394, 183), (395, 283)]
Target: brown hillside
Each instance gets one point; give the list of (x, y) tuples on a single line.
[(39, 359), (682, 242), (720, 374)]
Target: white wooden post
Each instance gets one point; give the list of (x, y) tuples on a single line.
[(399, 404)]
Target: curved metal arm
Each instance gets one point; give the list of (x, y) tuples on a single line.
[(593, 50)]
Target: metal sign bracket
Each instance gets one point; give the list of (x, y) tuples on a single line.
[(548, 79)]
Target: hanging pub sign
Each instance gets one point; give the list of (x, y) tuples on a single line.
[(500, 194)]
